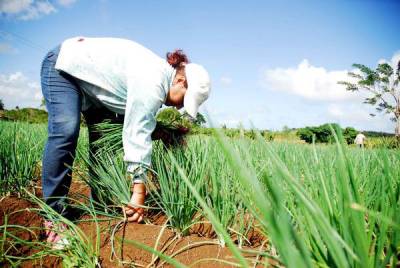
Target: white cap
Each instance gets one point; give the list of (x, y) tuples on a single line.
[(199, 86)]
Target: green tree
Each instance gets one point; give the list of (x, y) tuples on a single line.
[(383, 87), (322, 133), (268, 135), (200, 119), (349, 134), (1, 105), (306, 134)]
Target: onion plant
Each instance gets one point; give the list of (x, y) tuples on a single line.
[(107, 179), (170, 130), (80, 251), (223, 194), (171, 195), (21, 150), (20, 153), (318, 205), (318, 217)]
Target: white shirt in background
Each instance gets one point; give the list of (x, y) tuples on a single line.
[(360, 139)]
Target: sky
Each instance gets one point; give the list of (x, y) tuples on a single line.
[(272, 63)]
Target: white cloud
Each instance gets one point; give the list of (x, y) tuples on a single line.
[(357, 115), (314, 83), (335, 111), (308, 81), (37, 9), (26, 9), (394, 60), (351, 112), (66, 2), (329, 100), (14, 6), (6, 48), (18, 90), (225, 80)]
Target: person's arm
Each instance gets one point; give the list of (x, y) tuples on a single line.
[(143, 101)]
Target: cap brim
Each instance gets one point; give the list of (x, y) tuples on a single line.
[(190, 104)]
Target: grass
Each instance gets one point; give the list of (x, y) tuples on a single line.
[(318, 205)]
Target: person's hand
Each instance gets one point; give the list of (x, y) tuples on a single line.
[(132, 211)]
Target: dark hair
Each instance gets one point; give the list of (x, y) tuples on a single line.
[(176, 58)]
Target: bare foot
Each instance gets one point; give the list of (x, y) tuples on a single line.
[(133, 212)]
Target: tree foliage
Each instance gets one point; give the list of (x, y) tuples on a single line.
[(383, 86), (323, 133), (349, 134), (30, 115), (200, 119)]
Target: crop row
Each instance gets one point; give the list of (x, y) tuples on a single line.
[(315, 205)]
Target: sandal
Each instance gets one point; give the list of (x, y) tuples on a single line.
[(54, 234)]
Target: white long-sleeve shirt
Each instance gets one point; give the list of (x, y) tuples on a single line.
[(360, 139), (125, 77)]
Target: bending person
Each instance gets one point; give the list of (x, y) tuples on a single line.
[(105, 78)]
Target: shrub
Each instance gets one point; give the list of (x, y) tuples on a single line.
[(30, 115), (349, 134), (268, 135), (306, 134), (383, 143), (323, 133)]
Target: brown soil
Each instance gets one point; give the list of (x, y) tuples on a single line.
[(14, 211), (200, 244)]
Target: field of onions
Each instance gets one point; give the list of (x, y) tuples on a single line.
[(308, 205)]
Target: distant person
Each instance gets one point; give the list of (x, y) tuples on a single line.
[(360, 140), (116, 79)]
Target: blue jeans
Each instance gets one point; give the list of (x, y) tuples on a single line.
[(63, 102)]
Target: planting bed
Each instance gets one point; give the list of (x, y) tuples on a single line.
[(198, 245)]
